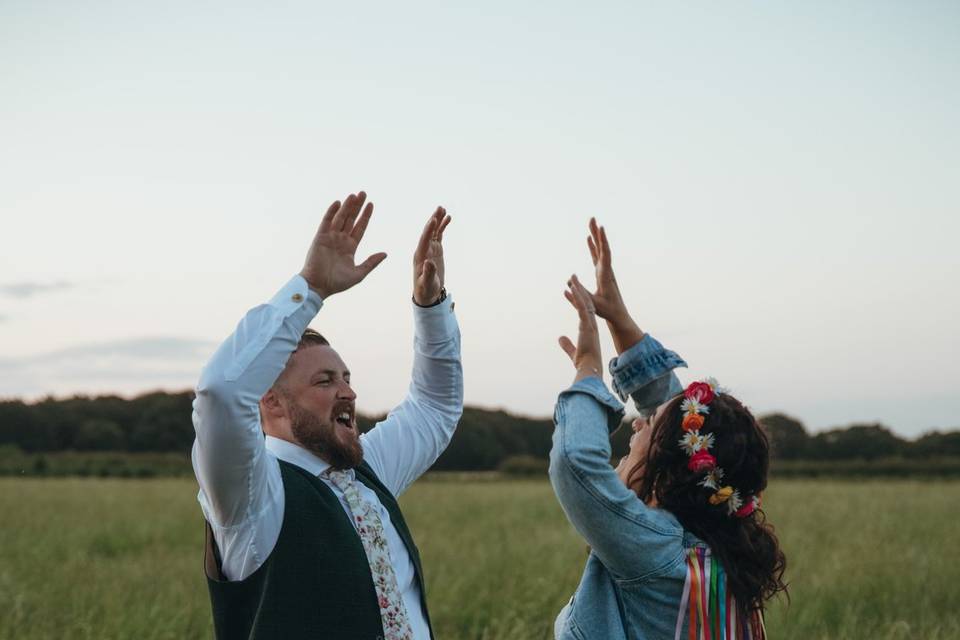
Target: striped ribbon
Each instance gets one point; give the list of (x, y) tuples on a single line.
[(709, 608)]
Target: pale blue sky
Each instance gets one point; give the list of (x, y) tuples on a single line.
[(781, 183)]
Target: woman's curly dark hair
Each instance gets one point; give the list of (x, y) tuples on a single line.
[(746, 547)]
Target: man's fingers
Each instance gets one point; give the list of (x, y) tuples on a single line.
[(593, 250), (371, 263), (361, 227), (425, 237), (429, 270), (567, 345), (443, 225), (327, 219), (351, 212), (350, 203), (337, 223)]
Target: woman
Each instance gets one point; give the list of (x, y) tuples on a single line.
[(679, 545)]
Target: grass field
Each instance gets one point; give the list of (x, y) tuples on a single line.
[(110, 559)]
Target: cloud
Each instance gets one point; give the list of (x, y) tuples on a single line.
[(128, 365), (30, 289), (151, 348)]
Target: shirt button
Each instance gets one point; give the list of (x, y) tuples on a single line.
[(297, 297)]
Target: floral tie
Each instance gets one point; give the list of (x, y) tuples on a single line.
[(368, 524)]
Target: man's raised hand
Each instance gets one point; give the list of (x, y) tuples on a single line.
[(329, 267), (428, 260)]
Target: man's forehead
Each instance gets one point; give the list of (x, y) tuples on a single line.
[(318, 358)]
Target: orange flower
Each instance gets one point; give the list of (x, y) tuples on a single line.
[(692, 422)]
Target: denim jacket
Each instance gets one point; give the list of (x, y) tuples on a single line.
[(633, 580)]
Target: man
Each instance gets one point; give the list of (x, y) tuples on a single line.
[(304, 535)]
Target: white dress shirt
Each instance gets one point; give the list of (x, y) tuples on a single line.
[(241, 490)]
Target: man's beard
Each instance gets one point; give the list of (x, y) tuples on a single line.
[(321, 438)]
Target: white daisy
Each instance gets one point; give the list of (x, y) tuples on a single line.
[(691, 442), (712, 479), (734, 502), (692, 405), (717, 389), (706, 441)]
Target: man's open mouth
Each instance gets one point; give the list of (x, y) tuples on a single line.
[(344, 417)]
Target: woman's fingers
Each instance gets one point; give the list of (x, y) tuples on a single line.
[(586, 352), (576, 300), (605, 248), (583, 296)]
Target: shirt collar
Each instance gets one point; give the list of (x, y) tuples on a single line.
[(295, 454)]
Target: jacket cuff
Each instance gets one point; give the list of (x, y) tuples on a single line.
[(594, 387), (645, 372)]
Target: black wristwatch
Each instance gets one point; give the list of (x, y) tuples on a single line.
[(443, 296)]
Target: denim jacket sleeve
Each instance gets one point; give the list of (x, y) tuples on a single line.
[(632, 540), (645, 373)]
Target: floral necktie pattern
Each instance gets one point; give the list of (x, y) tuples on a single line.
[(367, 521)]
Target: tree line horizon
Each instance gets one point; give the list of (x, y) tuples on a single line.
[(485, 439)]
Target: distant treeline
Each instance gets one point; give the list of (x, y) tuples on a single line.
[(40, 438)]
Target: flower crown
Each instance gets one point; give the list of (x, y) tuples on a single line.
[(695, 406)]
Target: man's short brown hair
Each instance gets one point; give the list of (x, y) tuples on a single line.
[(311, 338)]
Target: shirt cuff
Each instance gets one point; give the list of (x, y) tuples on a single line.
[(294, 295), (594, 387), (437, 323), (645, 371)]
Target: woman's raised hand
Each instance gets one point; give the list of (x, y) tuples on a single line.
[(586, 354), (607, 299)]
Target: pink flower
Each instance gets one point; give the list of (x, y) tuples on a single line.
[(699, 391), (702, 460), (748, 507)]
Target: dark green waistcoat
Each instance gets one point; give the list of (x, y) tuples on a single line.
[(316, 583)]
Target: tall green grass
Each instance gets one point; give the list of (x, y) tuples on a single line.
[(104, 558)]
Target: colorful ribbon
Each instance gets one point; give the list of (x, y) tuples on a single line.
[(709, 608)]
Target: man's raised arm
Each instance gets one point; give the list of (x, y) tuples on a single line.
[(414, 434), (236, 476)]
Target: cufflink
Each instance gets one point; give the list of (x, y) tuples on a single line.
[(297, 297)]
